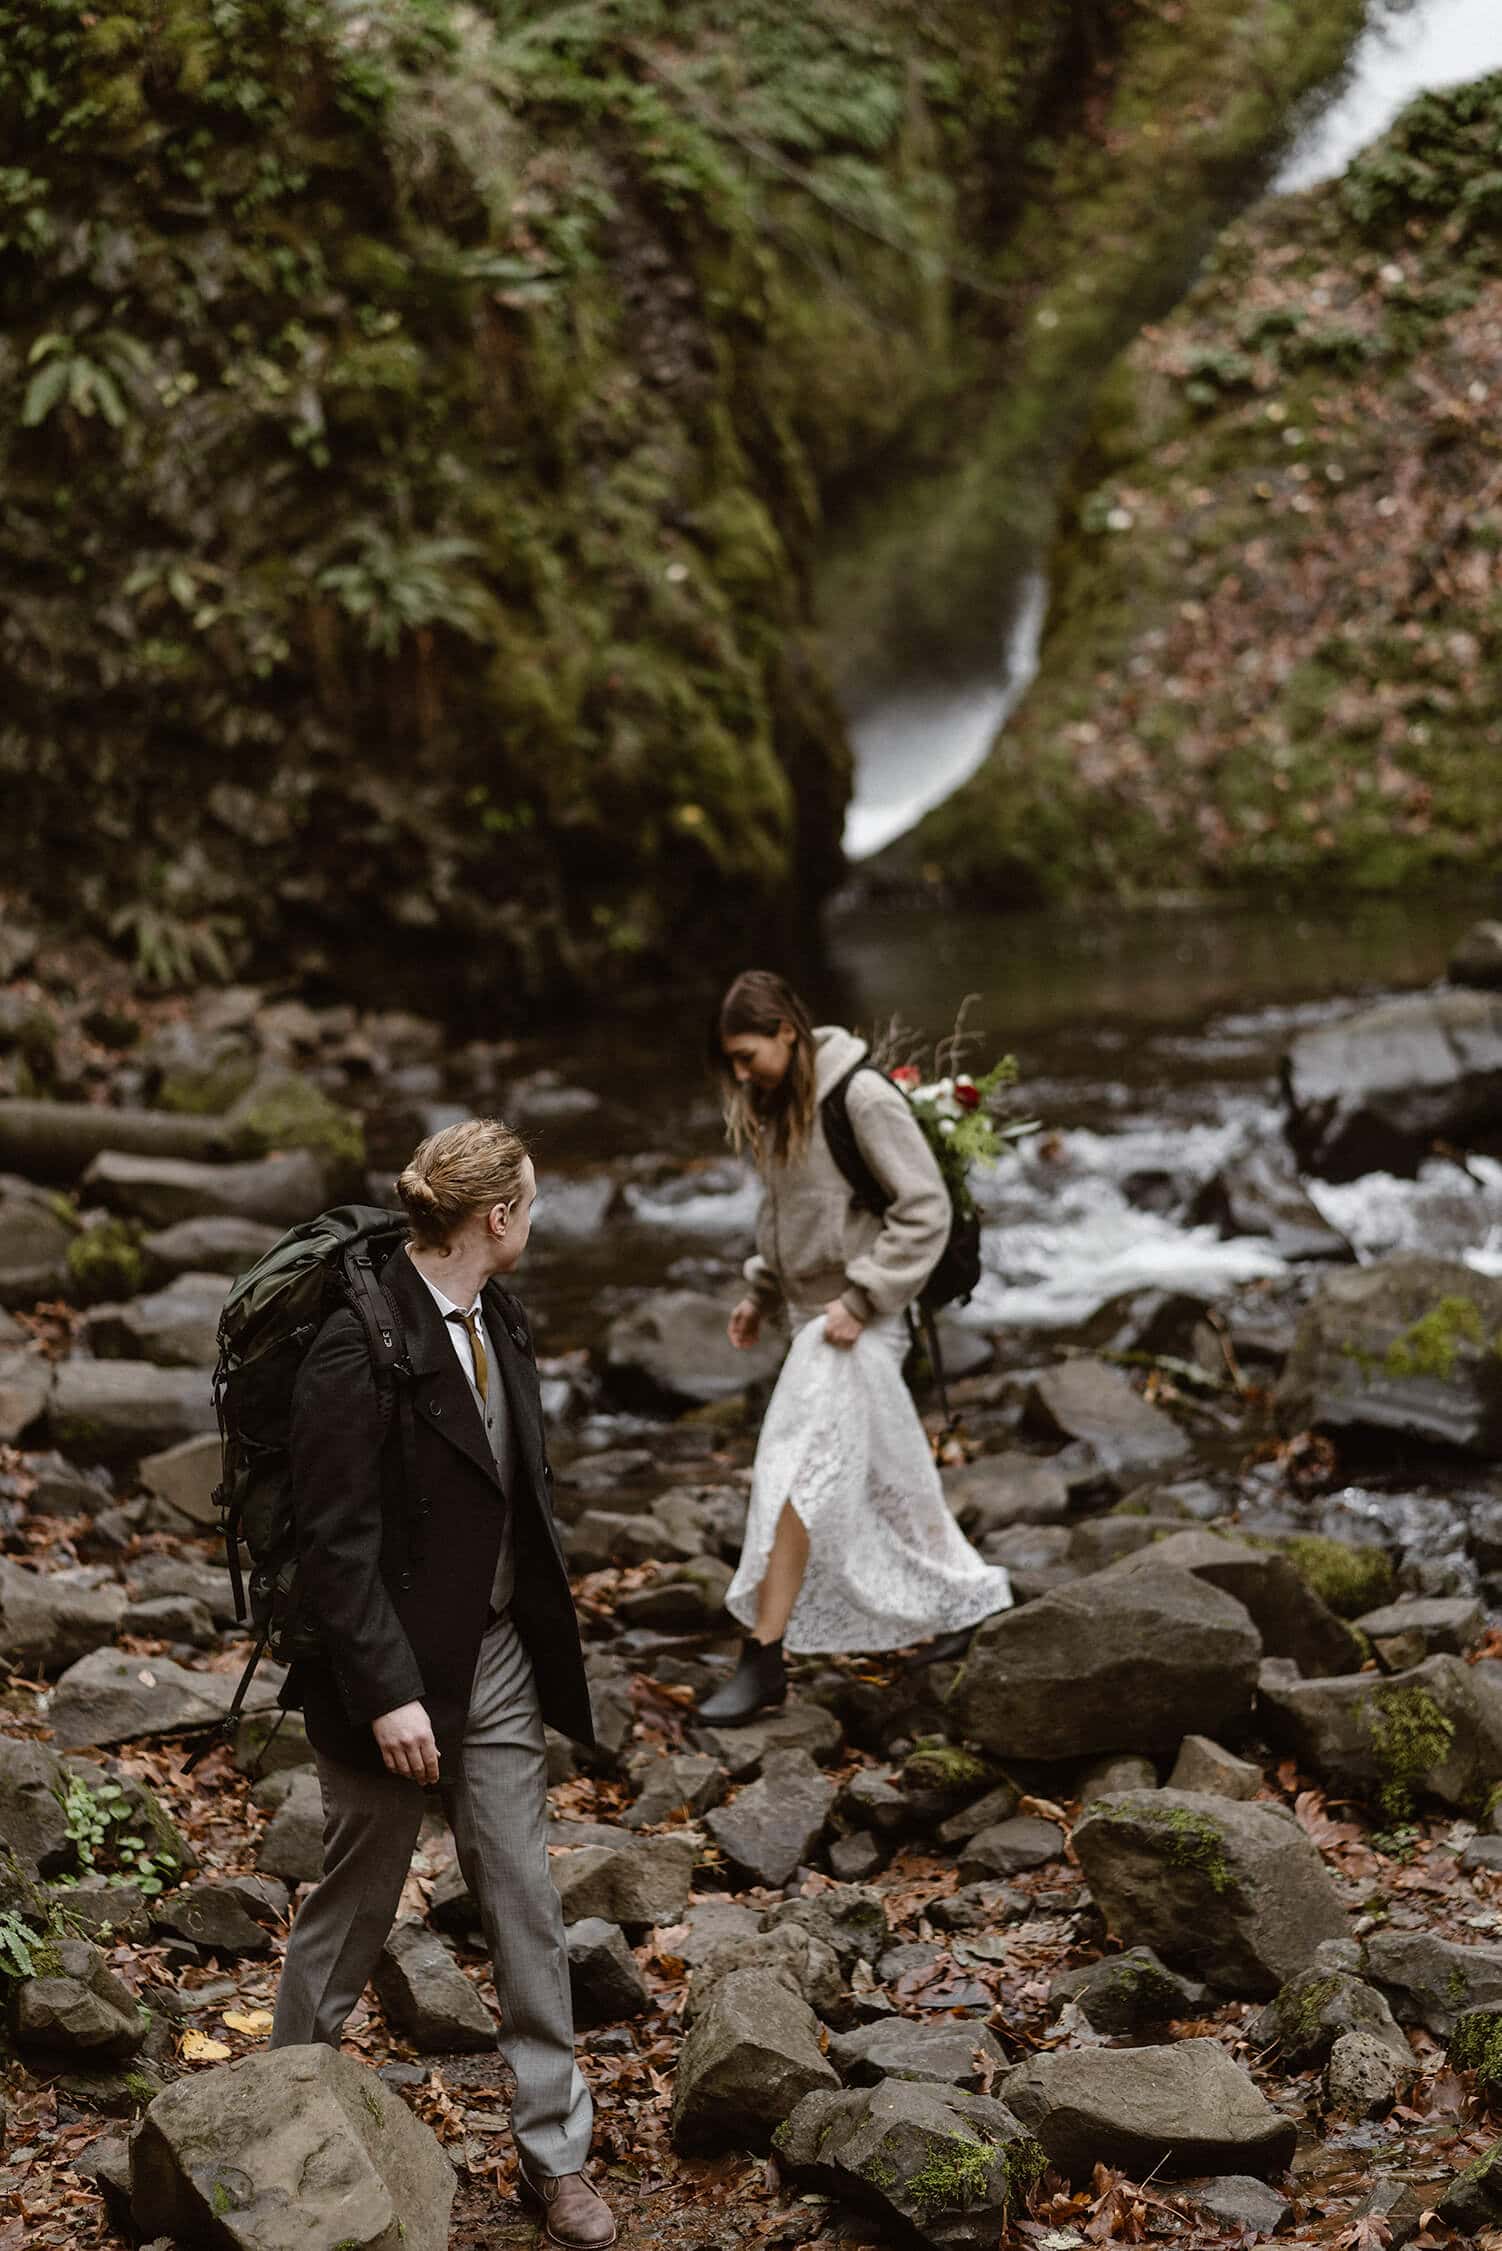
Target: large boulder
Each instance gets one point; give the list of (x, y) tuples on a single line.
[(50, 1618), (1235, 1893), (850, 1918), (1286, 1612), (33, 1824), (603, 1974), (1410, 1347), (1432, 1981), (747, 2063), (79, 2009), (214, 1917), (940, 2169), (279, 1191), (1125, 1993), (1182, 2109), (1434, 1731), (426, 1995), (173, 1328), (805, 1963), (115, 1410), (949, 2053), (278, 2152), (774, 1825), (1117, 1662), (207, 1246), (1374, 1091), (113, 1697), (671, 1350), (1094, 1402), (1319, 2007), (33, 1249), (639, 1883)]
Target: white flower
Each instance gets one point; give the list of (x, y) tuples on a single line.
[(946, 1125)]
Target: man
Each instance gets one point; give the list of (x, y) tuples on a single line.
[(432, 1566)]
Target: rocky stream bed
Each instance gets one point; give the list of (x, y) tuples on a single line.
[(1172, 1913)]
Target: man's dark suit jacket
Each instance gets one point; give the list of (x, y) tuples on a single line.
[(399, 1583)]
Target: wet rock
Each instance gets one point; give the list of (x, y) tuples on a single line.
[(1234, 1893), (1317, 2008), (775, 1824), (642, 1882), (686, 1599), (114, 1410), (48, 1619), (1093, 1402), (982, 1813), (938, 2055), (1374, 1091), (806, 1964), (671, 1350), (1001, 1490), (292, 1845), (1114, 1777), (1240, 2200), (1127, 1992), (1186, 2108), (427, 1997), (111, 1697), (25, 1388), (1206, 1768), (210, 1916), (606, 1983), (936, 2166), (1432, 1732), (33, 1824), (159, 1191), (80, 2008), (1404, 1633), (301, 2144), (674, 1786), (1287, 1613), (173, 1328), (1120, 1662), (207, 1246), (746, 2064), (1406, 1347), (33, 1250), (1363, 2076), (798, 1726), (1008, 1848), (848, 1917), (1257, 1192), (1477, 960)]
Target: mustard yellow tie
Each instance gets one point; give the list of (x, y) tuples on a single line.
[(470, 1323)]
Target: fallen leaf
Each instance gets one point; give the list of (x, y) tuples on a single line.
[(198, 2047), (248, 2020)]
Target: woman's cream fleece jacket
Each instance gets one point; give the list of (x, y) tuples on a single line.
[(813, 1242)]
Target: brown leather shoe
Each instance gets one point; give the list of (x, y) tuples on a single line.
[(575, 2216)]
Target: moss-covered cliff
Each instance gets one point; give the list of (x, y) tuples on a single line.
[(417, 424), (1277, 629)]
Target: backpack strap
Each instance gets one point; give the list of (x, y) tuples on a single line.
[(834, 1111)]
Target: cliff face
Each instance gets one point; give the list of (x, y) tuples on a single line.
[(419, 423), (1277, 626)]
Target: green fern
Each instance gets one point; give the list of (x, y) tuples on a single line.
[(98, 381)]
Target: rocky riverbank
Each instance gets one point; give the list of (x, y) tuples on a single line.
[(1172, 1910), (1272, 641)]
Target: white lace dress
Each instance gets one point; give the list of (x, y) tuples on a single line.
[(887, 1564)]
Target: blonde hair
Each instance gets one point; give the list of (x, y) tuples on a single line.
[(456, 1172)]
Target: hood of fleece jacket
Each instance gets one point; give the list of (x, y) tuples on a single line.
[(836, 1051)]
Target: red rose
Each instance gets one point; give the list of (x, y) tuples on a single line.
[(906, 1074), (967, 1094)]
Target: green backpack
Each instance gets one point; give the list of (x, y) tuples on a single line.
[(270, 1319)]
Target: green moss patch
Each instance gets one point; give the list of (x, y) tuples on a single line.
[(105, 1262), (1350, 1579), (1410, 1736), (1476, 2045)]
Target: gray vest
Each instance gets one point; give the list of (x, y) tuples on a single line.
[(506, 1454)]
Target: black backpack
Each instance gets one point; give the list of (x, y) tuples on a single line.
[(270, 1318), (959, 1266)]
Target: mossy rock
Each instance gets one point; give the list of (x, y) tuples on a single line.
[(106, 1262), (289, 1112), (1350, 1579), (1476, 2045)]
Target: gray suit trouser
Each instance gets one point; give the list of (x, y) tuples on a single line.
[(497, 1806)]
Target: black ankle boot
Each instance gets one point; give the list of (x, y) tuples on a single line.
[(758, 1684)]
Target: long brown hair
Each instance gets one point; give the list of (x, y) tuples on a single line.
[(774, 1126)]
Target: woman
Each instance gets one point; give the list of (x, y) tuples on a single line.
[(849, 1542)]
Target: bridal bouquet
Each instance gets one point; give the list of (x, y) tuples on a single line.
[(962, 1121)]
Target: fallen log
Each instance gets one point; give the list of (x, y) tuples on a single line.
[(56, 1142)]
